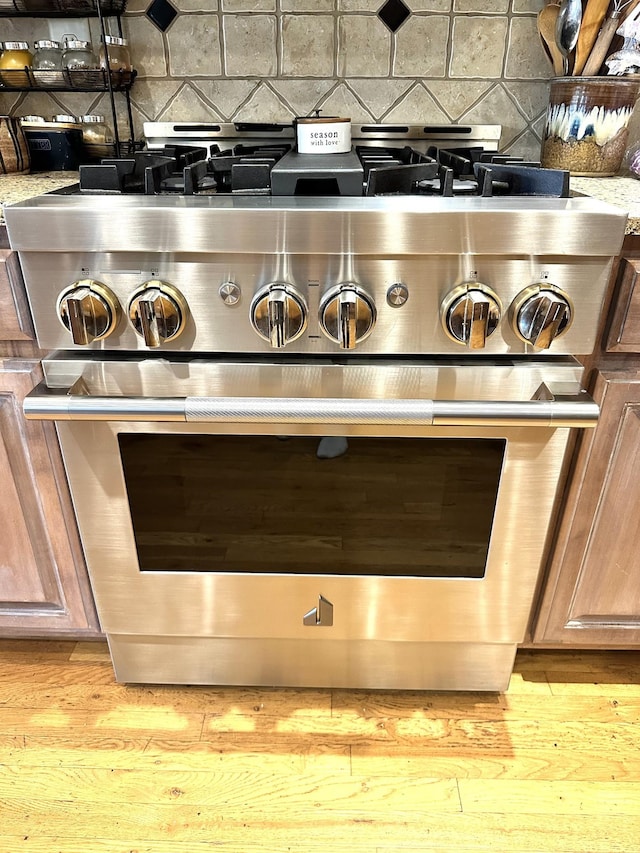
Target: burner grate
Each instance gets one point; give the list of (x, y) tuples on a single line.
[(277, 169)]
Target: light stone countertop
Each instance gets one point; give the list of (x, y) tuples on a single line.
[(620, 191), (21, 187)]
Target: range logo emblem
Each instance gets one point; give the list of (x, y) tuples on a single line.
[(320, 616)]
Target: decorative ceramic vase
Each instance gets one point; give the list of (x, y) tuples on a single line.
[(586, 128)]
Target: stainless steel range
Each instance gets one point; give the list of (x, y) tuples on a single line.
[(311, 439)]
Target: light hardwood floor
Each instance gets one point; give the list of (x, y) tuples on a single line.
[(90, 766)]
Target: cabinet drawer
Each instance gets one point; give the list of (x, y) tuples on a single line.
[(624, 334), (15, 319)]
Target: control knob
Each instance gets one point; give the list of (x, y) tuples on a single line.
[(541, 314), (347, 314), (158, 312), (278, 314), (470, 314), (89, 310)]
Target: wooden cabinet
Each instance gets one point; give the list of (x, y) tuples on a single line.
[(43, 583), (15, 321), (44, 588), (591, 594), (624, 332)]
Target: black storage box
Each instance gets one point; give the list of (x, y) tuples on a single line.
[(54, 150)]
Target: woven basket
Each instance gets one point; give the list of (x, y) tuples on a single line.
[(14, 151)]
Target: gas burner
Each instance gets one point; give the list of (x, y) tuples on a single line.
[(474, 171), (257, 162), (147, 172)]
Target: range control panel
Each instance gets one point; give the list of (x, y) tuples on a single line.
[(306, 304)]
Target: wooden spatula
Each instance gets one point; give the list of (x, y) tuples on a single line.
[(547, 18), (592, 19)]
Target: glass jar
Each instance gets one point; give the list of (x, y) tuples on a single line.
[(97, 137), (78, 55), (15, 58), (117, 51), (47, 63)]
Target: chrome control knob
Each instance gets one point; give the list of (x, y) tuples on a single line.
[(541, 314), (89, 310), (278, 314), (158, 312), (470, 314), (347, 315)]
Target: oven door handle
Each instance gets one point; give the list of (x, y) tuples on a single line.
[(546, 409)]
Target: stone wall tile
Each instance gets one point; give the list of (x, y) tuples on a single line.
[(538, 126), (248, 5), (530, 7), (525, 54), (457, 96), (379, 95), (288, 57), (307, 5), (526, 146), (102, 106), (364, 46), (11, 105), (225, 95), (429, 5), (302, 96), (418, 106), (308, 46), (264, 105), (478, 46), (481, 6), (147, 47), (359, 5), (532, 97), (23, 29), (250, 45), (30, 104), (191, 5), (497, 108), (342, 102), (188, 106), (78, 103), (421, 47), (194, 46), (152, 96)]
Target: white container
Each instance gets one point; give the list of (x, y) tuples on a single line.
[(326, 135)]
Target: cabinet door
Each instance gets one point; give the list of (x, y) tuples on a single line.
[(624, 334), (592, 595), (44, 589), (15, 319)]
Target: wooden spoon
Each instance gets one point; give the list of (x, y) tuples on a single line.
[(592, 19), (547, 18)]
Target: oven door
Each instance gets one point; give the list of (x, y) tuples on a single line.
[(319, 523)]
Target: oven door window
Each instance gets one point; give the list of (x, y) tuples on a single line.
[(417, 507)]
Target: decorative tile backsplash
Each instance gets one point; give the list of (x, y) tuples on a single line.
[(474, 61)]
